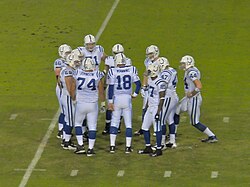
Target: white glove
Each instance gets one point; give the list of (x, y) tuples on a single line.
[(103, 107)]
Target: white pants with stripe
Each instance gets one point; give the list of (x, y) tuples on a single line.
[(87, 111), (168, 109), (69, 109), (58, 95), (122, 107), (149, 119), (193, 107)]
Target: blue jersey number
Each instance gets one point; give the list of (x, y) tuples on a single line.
[(174, 82), (93, 58), (126, 82), (151, 91), (186, 84), (91, 84)]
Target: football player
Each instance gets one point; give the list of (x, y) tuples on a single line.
[(169, 74), (109, 63), (120, 97), (193, 99), (156, 96), (89, 86), (68, 97), (64, 50), (93, 51), (152, 54)]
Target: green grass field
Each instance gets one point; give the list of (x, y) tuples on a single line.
[(215, 32)]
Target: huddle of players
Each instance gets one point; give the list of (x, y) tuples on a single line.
[(80, 84)]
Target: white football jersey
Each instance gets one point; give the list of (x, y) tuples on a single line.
[(154, 87), (147, 62), (191, 74), (59, 63), (109, 61), (65, 72), (122, 79), (170, 76), (87, 85), (96, 54)]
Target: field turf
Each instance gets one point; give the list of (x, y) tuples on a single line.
[(215, 32)]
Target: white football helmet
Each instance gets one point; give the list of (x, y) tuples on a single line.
[(120, 59), (73, 60), (64, 50), (152, 52), (88, 64), (187, 61), (89, 42), (117, 48), (163, 63), (78, 52), (153, 70)]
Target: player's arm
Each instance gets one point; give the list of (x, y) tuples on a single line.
[(57, 73), (71, 86), (197, 84), (104, 56), (162, 97), (101, 91), (106, 70)]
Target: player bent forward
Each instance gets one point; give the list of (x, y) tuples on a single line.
[(192, 101), (156, 95)]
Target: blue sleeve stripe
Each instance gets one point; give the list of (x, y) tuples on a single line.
[(138, 86), (111, 91)]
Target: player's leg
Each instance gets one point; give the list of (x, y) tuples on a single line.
[(127, 115), (181, 107), (195, 104), (79, 118), (158, 132), (163, 119), (108, 117), (61, 116), (171, 124), (69, 119), (147, 122), (116, 114), (92, 124)]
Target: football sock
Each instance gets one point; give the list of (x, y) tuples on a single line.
[(79, 136), (200, 127), (128, 137), (158, 139), (92, 137), (164, 131), (208, 132), (146, 137)]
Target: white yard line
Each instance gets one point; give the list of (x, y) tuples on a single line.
[(120, 173), (214, 174), (74, 173), (46, 137), (105, 22), (226, 119), (18, 169), (167, 174), (13, 116), (46, 119)]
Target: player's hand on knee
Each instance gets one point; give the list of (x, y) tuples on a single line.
[(103, 107), (74, 102), (134, 95), (111, 106), (189, 94), (157, 117)]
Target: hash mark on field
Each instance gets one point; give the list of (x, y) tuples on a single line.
[(13, 116), (74, 173), (214, 174), (18, 169), (120, 173), (226, 119), (46, 119), (167, 174)]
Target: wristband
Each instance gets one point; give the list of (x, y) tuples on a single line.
[(110, 100), (197, 89)]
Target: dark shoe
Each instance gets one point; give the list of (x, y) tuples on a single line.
[(171, 145), (147, 150), (80, 149), (138, 133), (112, 149), (90, 152), (60, 134), (128, 150), (210, 139), (69, 145), (158, 152)]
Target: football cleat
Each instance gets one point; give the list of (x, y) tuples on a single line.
[(90, 152), (128, 150), (62, 142), (105, 132), (138, 133), (112, 149), (69, 145), (158, 152), (59, 134), (80, 149), (210, 139), (163, 147), (171, 145), (147, 150)]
